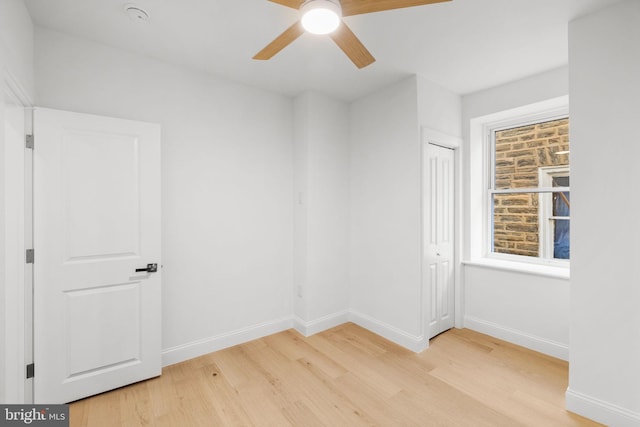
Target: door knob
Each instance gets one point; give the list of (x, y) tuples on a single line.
[(151, 268)]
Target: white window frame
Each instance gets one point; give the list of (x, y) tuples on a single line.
[(546, 224), (489, 130)]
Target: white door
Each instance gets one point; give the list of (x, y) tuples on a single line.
[(96, 220), (439, 227)]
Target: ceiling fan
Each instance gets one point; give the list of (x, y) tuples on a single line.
[(325, 17)]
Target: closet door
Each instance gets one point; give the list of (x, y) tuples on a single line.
[(439, 226)]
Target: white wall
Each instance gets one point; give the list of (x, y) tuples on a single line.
[(321, 166), (604, 374), (531, 310), (385, 164), (16, 44), (16, 83), (227, 209), (439, 109), (386, 200), (525, 309)]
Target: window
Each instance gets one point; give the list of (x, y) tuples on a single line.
[(529, 196)]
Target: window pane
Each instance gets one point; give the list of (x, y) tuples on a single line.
[(561, 247), (561, 208), (520, 151), (516, 228)]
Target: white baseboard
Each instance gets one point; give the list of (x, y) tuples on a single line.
[(200, 347), (322, 324), (600, 411), (400, 337), (542, 345), (414, 343), (204, 346)]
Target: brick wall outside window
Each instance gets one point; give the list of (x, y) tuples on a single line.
[(520, 152)]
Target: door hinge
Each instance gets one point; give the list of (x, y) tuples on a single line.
[(31, 370), (28, 141), (30, 256)]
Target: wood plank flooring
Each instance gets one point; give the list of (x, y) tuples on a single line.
[(346, 376)]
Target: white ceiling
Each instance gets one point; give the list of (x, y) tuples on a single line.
[(464, 45)]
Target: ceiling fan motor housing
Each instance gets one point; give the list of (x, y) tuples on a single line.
[(320, 16)]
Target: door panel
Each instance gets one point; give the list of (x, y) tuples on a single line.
[(439, 242), (96, 219), (93, 190), (97, 338), (433, 281)]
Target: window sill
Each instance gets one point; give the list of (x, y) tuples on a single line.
[(552, 271)]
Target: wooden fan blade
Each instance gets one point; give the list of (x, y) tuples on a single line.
[(358, 7), (295, 4), (352, 46), (280, 42)]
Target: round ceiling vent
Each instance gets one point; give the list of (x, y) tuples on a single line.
[(136, 13)]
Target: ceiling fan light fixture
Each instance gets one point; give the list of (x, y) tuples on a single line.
[(320, 16)]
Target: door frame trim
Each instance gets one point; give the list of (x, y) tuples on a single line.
[(431, 136), (14, 91)]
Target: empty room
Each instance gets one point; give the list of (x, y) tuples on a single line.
[(319, 213)]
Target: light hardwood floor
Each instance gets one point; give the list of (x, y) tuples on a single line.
[(346, 376)]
